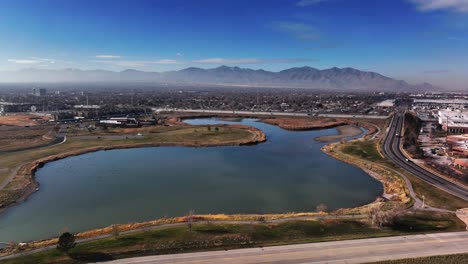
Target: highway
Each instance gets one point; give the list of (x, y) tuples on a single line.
[(276, 113), (348, 251), (391, 149)]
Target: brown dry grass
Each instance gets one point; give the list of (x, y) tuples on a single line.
[(343, 132), (21, 120), (291, 123), (175, 220), (14, 137)]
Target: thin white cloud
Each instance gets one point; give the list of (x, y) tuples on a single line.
[(27, 62), (180, 54), (44, 60), (227, 61), (107, 56), (309, 2), (145, 63), (168, 61), (140, 63), (455, 38), (298, 30), (451, 5)]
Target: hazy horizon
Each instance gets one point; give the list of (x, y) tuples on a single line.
[(413, 40)]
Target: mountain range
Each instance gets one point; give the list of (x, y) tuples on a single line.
[(348, 79)]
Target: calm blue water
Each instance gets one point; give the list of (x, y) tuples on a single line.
[(287, 173)]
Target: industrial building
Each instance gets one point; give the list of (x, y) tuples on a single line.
[(454, 121), (120, 122), (428, 104)]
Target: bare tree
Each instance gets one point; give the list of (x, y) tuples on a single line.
[(115, 230), (379, 217), (321, 208), (190, 220)]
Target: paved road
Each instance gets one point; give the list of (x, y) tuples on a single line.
[(349, 251), (391, 149), (275, 113), (59, 139)]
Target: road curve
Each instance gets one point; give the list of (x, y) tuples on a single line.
[(349, 251), (391, 149)]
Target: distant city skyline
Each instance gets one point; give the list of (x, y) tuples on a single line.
[(414, 40)]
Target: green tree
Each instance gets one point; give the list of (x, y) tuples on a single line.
[(66, 242)]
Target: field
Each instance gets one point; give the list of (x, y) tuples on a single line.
[(15, 137), (21, 120), (215, 236), (18, 131), (363, 149)]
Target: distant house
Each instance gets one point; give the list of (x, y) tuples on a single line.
[(284, 106)]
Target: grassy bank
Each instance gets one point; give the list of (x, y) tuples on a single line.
[(216, 236), (368, 151), (21, 165)]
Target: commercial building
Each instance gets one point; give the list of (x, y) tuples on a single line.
[(39, 91), (120, 122), (428, 104), (454, 121)]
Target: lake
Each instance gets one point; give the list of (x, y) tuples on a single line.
[(288, 173)]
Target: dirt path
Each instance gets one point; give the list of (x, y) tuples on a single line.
[(343, 132)]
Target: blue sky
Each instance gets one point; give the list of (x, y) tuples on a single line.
[(415, 40)]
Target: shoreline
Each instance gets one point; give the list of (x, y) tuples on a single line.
[(294, 124), (258, 138), (344, 132), (398, 194), (31, 167)]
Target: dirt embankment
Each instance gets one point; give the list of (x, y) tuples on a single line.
[(343, 132), (174, 121), (290, 123), (314, 123)]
